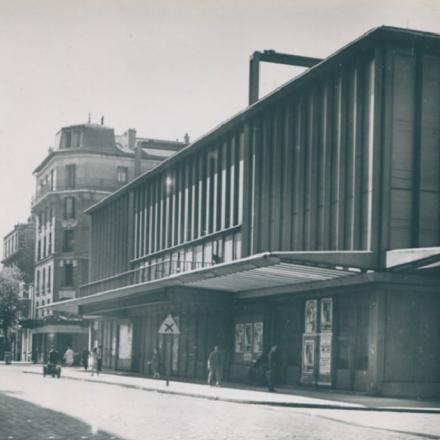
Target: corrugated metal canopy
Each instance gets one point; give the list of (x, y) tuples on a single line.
[(260, 271), (279, 274)]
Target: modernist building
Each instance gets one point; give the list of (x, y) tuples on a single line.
[(87, 163), (310, 220), (18, 251)]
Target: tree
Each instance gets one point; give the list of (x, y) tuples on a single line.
[(10, 279)]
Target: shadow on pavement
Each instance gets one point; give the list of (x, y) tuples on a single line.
[(22, 420)]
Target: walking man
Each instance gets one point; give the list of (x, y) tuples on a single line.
[(215, 367), (272, 363)]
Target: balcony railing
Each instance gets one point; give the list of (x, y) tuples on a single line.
[(140, 275), (96, 184)]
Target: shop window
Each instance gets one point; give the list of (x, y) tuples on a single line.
[(68, 240), (249, 340), (69, 208)]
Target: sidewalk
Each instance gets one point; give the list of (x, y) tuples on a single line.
[(285, 396)]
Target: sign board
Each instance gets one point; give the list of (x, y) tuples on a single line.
[(169, 327)]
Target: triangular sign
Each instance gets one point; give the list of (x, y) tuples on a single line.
[(169, 327)]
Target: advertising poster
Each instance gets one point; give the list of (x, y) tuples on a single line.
[(248, 331), (258, 337), (239, 338), (308, 355), (326, 314), (325, 354), (310, 316), (125, 341)]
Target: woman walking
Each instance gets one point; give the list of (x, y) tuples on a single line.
[(93, 362)]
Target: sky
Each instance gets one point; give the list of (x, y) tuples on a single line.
[(162, 67)]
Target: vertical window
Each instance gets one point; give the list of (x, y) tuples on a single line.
[(76, 138), (43, 281), (67, 139), (49, 277), (37, 284), (69, 208), (122, 174), (68, 274), (51, 180), (70, 176), (68, 240)]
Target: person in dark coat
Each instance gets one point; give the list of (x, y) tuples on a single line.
[(215, 367), (155, 364), (272, 364), (85, 358), (53, 356)]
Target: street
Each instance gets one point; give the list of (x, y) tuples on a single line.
[(33, 407)]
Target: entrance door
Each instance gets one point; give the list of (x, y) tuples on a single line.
[(317, 342), (125, 345)]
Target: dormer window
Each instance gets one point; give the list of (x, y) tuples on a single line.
[(72, 139), (68, 139)]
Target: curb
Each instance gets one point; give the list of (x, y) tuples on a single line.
[(260, 402)]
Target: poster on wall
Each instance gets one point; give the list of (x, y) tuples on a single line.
[(239, 338), (308, 355), (248, 332), (325, 354), (326, 314), (114, 344), (310, 316), (125, 341), (258, 337)]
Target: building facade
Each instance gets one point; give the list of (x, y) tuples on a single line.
[(87, 163), (18, 251), (310, 221)]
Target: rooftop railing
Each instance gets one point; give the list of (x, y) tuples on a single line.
[(141, 275)]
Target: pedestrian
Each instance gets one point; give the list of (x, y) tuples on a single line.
[(215, 367), (93, 361), (155, 364), (69, 356), (85, 358), (99, 354), (53, 355), (272, 364)]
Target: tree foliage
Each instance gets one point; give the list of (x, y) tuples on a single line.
[(10, 278)]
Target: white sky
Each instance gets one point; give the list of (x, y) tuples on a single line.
[(162, 67)]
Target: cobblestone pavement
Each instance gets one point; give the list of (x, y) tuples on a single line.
[(34, 408)]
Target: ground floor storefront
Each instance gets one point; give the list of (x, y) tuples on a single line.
[(58, 332), (378, 335)]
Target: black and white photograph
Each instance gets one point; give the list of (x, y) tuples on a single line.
[(220, 220)]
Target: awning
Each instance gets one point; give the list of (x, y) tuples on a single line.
[(257, 272), (399, 260)]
